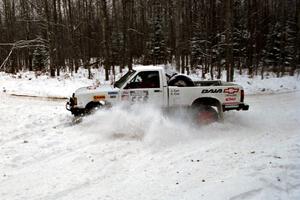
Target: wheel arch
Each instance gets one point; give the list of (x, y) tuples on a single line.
[(93, 104), (209, 101)]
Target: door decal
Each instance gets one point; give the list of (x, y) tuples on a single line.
[(139, 96)]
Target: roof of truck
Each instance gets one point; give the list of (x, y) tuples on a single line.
[(147, 67)]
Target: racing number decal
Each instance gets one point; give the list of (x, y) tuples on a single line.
[(139, 96)]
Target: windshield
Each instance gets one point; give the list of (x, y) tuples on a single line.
[(124, 79)]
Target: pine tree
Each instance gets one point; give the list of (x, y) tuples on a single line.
[(117, 41), (289, 37), (290, 40), (40, 58), (197, 46), (272, 50), (240, 34), (158, 46)]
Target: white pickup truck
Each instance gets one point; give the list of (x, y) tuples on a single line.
[(207, 100)]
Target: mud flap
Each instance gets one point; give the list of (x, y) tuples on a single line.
[(220, 113)]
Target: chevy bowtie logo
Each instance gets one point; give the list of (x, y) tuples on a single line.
[(231, 90)]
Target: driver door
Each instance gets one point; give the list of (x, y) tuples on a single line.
[(145, 87)]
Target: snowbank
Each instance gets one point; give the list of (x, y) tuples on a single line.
[(268, 85), (27, 83)]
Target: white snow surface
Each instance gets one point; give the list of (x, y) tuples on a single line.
[(141, 153)]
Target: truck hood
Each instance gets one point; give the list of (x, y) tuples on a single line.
[(97, 89)]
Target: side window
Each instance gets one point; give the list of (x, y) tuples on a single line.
[(149, 79)]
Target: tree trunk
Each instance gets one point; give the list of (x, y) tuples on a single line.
[(228, 32), (106, 31)]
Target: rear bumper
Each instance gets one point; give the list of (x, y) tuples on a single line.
[(238, 107)]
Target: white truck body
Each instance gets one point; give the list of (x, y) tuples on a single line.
[(150, 85)]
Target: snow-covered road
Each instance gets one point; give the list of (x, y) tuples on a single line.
[(142, 154)]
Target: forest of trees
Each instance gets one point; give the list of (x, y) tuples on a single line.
[(213, 35)]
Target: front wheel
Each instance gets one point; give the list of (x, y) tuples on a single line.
[(92, 107)]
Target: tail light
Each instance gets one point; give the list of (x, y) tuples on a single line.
[(242, 95)]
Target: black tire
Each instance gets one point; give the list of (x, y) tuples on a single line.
[(92, 107), (205, 114), (78, 112), (181, 81)]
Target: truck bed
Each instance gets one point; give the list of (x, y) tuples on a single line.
[(212, 83), (208, 83)]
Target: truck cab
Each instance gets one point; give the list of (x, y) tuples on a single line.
[(145, 85)]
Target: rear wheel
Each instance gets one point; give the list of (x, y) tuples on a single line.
[(205, 114)]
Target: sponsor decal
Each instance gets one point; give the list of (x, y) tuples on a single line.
[(99, 97), (206, 91), (175, 92), (125, 96), (231, 104), (230, 99), (231, 90), (112, 93)]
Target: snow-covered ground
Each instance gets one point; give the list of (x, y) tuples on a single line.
[(141, 153)]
